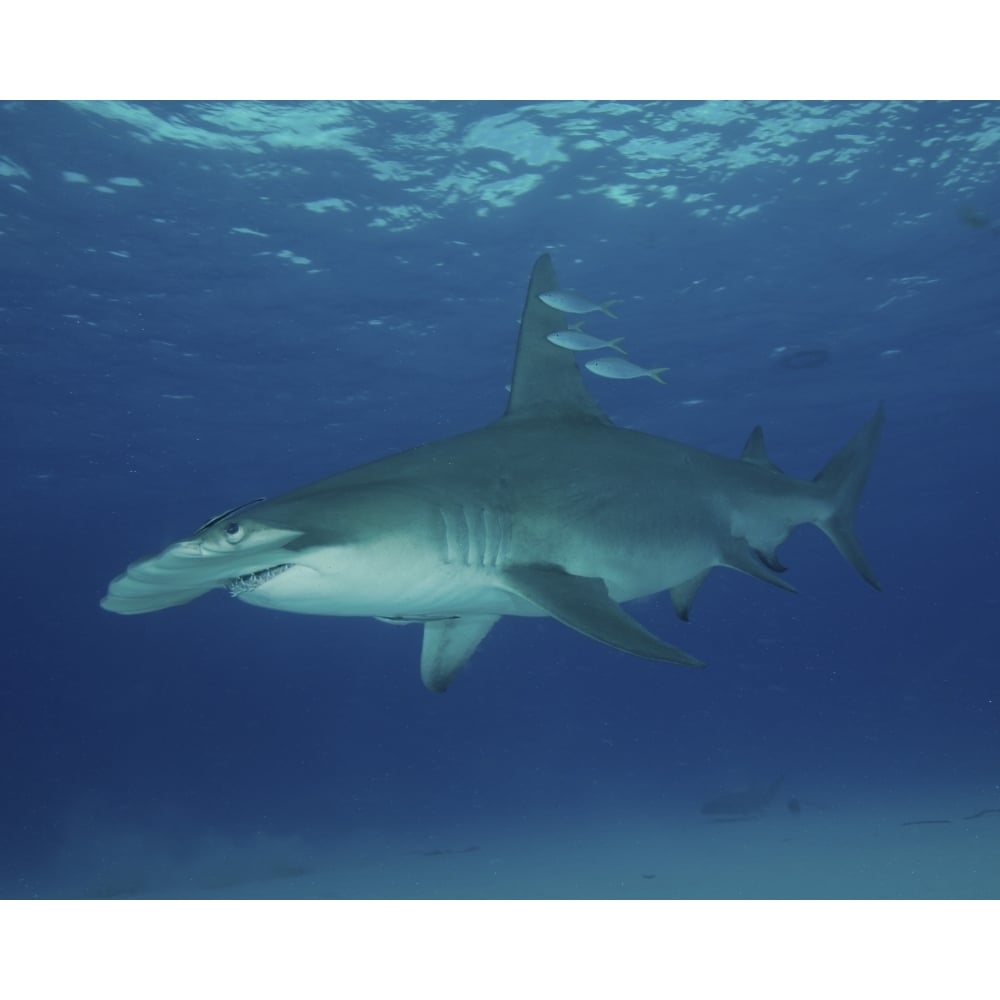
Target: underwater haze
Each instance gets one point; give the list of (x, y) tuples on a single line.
[(206, 303)]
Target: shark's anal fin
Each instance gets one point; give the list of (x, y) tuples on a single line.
[(682, 596), (583, 603), (448, 644)]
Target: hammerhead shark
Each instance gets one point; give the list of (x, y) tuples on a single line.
[(549, 510)]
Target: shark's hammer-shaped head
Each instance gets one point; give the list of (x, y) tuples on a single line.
[(370, 549), (234, 550)]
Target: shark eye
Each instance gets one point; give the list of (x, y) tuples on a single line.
[(235, 532)]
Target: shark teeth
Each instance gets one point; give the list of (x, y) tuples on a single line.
[(251, 581)]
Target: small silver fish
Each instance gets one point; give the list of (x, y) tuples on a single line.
[(576, 340), (620, 368), (570, 302)]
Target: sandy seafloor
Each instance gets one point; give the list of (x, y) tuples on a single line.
[(861, 849)]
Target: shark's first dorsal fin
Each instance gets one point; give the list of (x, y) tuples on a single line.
[(546, 381)]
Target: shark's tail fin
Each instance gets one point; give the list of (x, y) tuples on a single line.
[(844, 478)]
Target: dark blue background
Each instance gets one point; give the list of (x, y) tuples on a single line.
[(225, 717)]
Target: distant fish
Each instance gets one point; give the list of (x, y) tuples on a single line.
[(437, 852), (797, 358), (620, 368), (972, 217), (577, 340), (981, 813), (570, 302), (743, 804)]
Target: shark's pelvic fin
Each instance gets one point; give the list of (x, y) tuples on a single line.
[(583, 603), (448, 644), (740, 556), (770, 559), (844, 476)]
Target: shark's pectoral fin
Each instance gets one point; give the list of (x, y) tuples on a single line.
[(583, 603), (448, 644)]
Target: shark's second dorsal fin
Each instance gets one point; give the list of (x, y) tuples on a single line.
[(546, 381), (754, 451)]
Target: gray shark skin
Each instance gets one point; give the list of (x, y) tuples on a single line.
[(550, 510)]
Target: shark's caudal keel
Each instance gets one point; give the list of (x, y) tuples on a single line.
[(551, 510)]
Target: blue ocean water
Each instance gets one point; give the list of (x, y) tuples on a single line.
[(208, 303)]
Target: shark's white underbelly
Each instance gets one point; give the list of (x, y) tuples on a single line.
[(444, 592)]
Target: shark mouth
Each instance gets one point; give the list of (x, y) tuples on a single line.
[(251, 581)]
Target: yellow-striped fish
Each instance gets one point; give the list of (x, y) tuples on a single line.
[(570, 302), (620, 368), (577, 340)]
